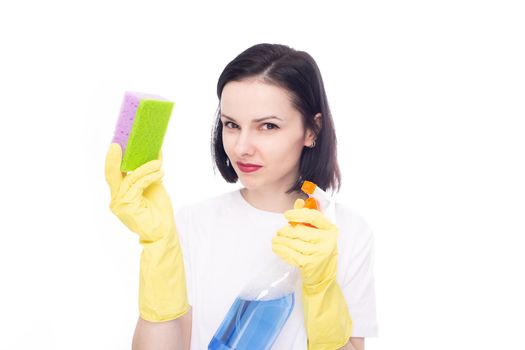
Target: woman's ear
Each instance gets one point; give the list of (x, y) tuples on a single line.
[(311, 135), (318, 121)]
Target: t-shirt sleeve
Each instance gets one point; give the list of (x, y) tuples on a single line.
[(183, 225), (358, 280)]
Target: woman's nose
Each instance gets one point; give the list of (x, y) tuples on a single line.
[(244, 144)]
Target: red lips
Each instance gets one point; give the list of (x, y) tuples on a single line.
[(248, 168)]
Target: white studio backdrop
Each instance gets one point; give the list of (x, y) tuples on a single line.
[(428, 102)]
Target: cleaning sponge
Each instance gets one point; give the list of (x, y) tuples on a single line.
[(140, 129)]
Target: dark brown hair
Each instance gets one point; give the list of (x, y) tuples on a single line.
[(297, 72)]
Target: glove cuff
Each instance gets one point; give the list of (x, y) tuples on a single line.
[(162, 286), (327, 319)]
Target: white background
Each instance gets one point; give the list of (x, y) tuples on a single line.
[(428, 102)]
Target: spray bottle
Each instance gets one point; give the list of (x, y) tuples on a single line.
[(261, 309)]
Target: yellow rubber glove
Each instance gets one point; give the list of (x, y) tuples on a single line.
[(314, 251), (141, 202)]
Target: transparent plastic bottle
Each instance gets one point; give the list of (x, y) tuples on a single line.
[(261, 309)]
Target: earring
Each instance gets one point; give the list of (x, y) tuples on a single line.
[(312, 145), (228, 162)]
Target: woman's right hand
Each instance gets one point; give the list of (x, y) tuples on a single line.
[(140, 201), (139, 198)]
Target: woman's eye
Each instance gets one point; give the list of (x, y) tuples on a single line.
[(273, 126), (226, 124)]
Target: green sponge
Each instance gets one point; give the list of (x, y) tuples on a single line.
[(140, 129)]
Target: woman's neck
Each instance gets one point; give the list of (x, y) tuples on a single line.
[(270, 201)]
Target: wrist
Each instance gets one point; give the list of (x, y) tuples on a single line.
[(318, 287), (163, 231)]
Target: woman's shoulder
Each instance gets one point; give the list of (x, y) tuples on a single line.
[(351, 221), (356, 237)]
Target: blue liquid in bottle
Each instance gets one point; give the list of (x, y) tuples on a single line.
[(252, 325)]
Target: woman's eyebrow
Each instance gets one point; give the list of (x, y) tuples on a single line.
[(255, 120)]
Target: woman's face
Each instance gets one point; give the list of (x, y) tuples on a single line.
[(274, 143)]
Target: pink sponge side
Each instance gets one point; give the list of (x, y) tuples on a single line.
[(125, 120)]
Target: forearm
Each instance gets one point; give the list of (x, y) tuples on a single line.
[(170, 335)]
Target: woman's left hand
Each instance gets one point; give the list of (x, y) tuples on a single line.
[(312, 249)]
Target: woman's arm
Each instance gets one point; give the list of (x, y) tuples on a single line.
[(354, 344), (169, 335)]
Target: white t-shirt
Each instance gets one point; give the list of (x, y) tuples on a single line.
[(224, 239)]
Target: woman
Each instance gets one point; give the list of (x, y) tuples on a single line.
[(273, 131)]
